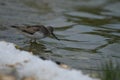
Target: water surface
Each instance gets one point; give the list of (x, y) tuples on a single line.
[(89, 29)]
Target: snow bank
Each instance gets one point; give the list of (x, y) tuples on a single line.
[(24, 64)]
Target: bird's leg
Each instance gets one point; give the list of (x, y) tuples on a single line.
[(32, 40)]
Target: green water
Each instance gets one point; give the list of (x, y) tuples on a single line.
[(89, 29)]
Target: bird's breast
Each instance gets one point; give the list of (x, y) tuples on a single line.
[(38, 35)]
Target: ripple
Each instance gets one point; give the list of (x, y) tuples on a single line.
[(85, 15)]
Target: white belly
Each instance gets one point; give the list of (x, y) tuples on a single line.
[(36, 35)]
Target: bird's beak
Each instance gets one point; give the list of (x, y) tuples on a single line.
[(54, 36)]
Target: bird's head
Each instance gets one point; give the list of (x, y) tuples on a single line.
[(51, 30)]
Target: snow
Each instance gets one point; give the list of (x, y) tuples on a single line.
[(24, 64)]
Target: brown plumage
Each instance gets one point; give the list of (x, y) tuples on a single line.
[(36, 31)]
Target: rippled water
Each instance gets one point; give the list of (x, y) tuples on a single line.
[(89, 29)]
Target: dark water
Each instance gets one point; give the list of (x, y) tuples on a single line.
[(89, 29)]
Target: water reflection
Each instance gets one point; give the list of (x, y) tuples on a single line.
[(37, 48)]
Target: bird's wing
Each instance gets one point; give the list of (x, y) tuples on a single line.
[(30, 30), (27, 29)]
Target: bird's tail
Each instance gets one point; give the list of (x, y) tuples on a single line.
[(13, 26)]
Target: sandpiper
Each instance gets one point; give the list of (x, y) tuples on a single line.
[(36, 31)]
